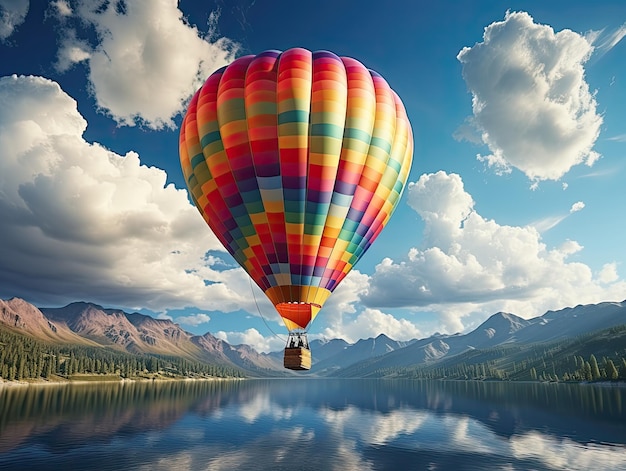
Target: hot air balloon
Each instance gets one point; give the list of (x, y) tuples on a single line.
[(296, 160)]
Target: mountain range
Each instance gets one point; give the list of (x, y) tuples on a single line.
[(89, 324), (84, 323)]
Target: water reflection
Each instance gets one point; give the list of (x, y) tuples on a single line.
[(313, 424), (75, 414)]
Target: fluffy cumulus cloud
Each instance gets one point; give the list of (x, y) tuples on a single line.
[(72, 50), (470, 264), (81, 222), (530, 100), (61, 8), (343, 300), (253, 338), (343, 316), (12, 14), (147, 60), (193, 320), (578, 206), (371, 323), (608, 273)]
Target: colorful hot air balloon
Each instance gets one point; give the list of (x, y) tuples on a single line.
[(296, 160)]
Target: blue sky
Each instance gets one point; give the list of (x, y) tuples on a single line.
[(516, 194)]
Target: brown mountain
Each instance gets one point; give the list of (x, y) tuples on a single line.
[(242, 355), (87, 323), (135, 332), (163, 334), (28, 319), (106, 327)]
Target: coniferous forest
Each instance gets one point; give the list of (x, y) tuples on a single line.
[(24, 358)]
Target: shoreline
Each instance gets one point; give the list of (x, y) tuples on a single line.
[(120, 380), (69, 382)]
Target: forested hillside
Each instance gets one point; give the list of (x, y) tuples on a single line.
[(599, 356), (23, 357)]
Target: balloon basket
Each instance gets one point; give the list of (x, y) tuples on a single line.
[(297, 352)]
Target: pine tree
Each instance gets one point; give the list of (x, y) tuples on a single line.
[(611, 371), (21, 368), (595, 371)]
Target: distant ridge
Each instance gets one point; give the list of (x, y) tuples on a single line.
[(501, 329)]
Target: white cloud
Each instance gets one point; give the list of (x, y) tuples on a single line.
[(343, 299), (61, 8), (545, 224), (370, 323), (468, 264), (468, 132), (81, 222), (614, 38), (194, 320), (608, 274), (253, 338), (579, 205), (530, 98), (604, 41), (338, 312), (618, 138), (12, 14), (570, 247), (549, 222), (148, 60), (72, 51)]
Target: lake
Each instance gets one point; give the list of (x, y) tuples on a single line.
[(316, 424)]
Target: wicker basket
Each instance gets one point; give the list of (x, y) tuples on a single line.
[(297, 358)]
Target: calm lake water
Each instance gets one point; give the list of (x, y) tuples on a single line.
[(313, 424)]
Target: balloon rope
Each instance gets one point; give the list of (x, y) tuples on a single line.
[(261, 314)]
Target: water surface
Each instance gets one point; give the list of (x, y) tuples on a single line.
[(313, 424)]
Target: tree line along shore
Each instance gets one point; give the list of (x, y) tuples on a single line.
[(24, 358)]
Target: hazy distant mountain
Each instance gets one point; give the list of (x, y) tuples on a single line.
[(570, 322), (499, 329), (242, 356), (323, 349), (350, 354)]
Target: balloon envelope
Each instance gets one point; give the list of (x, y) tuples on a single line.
[(296, 160)]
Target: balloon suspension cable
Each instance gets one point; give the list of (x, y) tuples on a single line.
[(261, 314)]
